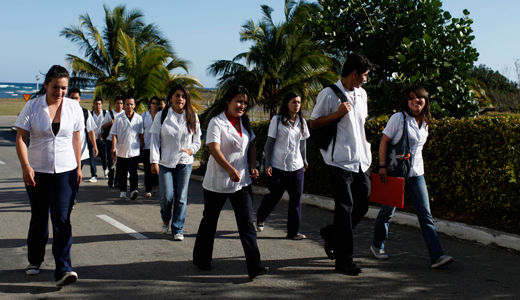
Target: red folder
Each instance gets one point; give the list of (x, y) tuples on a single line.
[(390, 193)]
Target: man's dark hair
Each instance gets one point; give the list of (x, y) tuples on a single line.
[(356, 62), (74, 90)]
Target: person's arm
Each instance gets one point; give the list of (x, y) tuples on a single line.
[(141, 140), (114, 151), (155, 144), (383, 145), (251, 160), (214, 150), (109, 122), (268, 152), (343, 109), (303, 152), (22, 136), (76, 143), (92, 138)]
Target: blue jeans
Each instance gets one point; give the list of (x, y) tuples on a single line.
[(173, 193), (415, 188)]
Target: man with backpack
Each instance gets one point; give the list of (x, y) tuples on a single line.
[(105, 132), (342, 109)]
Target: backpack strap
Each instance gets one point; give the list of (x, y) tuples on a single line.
[(164, 114), (342, 98)]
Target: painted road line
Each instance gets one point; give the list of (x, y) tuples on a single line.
[(2, 163), (122, 227)]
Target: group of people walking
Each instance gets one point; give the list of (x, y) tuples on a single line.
[(167, 140)]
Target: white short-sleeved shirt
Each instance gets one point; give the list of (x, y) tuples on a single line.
[(234, 148), (147, 124), (127, 133), (286, 151), (99, 120), (49, 153), (352, 150), (91, 125), (108, 118), (416, 137), (168, 139)]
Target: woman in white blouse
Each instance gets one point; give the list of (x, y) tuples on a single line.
[(175, 138), (285, 162), (51, 169), (416, 108), (231, 165)]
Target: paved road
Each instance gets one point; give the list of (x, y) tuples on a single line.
[(112, 263)]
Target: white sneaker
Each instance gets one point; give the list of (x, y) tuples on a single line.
[(93, 179), (164, 229), (122, 195), (134, 194), (67, 278), (442, 261), (32, 270), (378, 253), (148, 195), (106, 173), (259, 226), (178, 237)]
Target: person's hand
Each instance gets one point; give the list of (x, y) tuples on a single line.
[(154, 168), (233, 174), (80, 175), (344, 108), (269, 171), (28, 175), (114, 153), (253, 172), (305, 167), (382, 175), (96, 152), (189, 151)]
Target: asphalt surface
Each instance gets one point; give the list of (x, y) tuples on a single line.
[(147, 264)]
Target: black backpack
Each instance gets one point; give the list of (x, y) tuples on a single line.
[(105, 132)]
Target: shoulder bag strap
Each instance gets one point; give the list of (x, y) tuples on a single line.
[(342, 98)]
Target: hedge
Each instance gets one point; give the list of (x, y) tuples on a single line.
[(472, 166)]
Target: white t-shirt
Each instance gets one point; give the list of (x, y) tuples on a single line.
[(286, 151), (91, 125), (147, 124), (49, 153), (352, 150), (416, 137), (171, 137), (108, 118), (99, 120), (234, 148), (127, 133)]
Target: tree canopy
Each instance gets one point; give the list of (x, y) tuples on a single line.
[(410, 42)]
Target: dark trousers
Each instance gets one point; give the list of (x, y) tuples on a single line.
[(125, 166), (150, 180), (351, 192), (278, 184), (111, 171), (104, 154), (243, 207), (53, 193), (92, 159)]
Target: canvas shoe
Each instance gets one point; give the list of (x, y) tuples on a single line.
[(32, 269), (67, 278), (259, 226), (178, 237), (122, 195), (93, 179), (297, 237), (378, 253), (106, 173), (442, 261), (134, 194)]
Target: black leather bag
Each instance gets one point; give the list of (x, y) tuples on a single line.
[(398, 157), (327, 134)]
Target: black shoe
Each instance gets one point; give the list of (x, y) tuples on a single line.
[(261, 271), (203, 267), (327, 244), (352, 269)]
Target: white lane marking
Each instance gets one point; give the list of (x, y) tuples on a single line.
[(2, 163), (122, 227)]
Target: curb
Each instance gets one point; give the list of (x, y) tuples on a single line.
[(462, 231)]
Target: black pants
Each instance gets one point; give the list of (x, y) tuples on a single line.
[(351, 192), (104, 154), (243, 207), (150, 180), (111, 171), (125, 166)]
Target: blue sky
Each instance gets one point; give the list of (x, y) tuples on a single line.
[(207, 30)]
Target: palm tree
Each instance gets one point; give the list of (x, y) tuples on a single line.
[(283, 58), (128, 56)]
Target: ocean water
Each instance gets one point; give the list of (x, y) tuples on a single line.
[(17, 89)]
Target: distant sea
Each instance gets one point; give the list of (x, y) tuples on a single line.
[(16, 89)]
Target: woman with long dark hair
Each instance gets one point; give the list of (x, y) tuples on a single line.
[(285, 163), (416, 111), (231, 165), (51, 168), (175, 138)]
